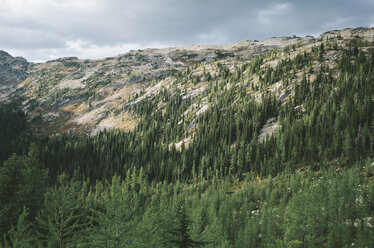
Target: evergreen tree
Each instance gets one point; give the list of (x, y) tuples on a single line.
[(59, 221), (20, 236), (181, 232), (113, 217)]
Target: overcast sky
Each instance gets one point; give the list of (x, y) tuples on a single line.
[(41, 30)]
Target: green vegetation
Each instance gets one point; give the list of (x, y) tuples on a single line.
[(308, 184)]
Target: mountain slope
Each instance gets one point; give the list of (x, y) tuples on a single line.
[(269, 144), (273, 98), (75, 96), (12, 71), (78, 96), (88, 93)]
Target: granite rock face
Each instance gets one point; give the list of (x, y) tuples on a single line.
[(12, 69)]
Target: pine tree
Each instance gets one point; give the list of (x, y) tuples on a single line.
[(113, 216), (347, 145), (149, 231), (59, 222), (20, 236), (12, 179), (181, 232), (297, 229)]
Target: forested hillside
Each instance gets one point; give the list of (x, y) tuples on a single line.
[(275, 149)]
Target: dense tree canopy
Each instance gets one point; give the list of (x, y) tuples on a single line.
[(309, 184)]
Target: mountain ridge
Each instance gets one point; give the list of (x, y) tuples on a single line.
[(253, 146), (87, 96)]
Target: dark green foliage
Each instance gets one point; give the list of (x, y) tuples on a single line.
[(310, 184), (328, 119), (61, 219), (13, 135), (181, 232), (22, 183), (111, 221), (21, 235)]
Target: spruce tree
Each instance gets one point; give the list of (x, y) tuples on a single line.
[(21, 235), (59, 221)]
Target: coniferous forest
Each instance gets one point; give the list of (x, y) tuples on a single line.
[(310, 184)]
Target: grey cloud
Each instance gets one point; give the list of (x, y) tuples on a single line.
[(41, 30)]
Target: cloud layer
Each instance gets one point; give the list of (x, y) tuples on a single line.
[(41, 30)]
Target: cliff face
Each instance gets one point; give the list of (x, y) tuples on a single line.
[(12, 69)]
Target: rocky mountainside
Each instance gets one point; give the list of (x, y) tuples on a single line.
[(255, 144), (12, 71), (86, 96)]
